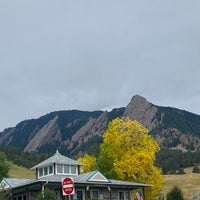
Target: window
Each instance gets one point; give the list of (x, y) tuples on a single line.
[(45, 171), (40, 172), (59, 169), (66, 169), (50, 169), (79, 195), (123, 195), (126, 195), (94, 194), (89, 194), (73, 169)]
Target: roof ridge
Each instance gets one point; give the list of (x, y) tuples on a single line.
[(59, 159)]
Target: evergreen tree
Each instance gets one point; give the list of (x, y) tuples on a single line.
[(3, 166), (195, 169), (175, 194)]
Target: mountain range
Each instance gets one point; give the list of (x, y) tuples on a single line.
[(75, 132)]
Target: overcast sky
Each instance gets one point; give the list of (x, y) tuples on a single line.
[(96, 54)]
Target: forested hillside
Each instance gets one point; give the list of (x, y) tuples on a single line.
[(174, 161), (19, 157), (75, 132), (171, 161)]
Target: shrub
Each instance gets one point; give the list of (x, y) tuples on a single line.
[(175, 194), (195, 169), (47, 195)]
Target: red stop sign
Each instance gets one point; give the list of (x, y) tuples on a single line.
[(68, 186)]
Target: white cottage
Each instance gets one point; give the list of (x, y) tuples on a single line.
[(89, 186)]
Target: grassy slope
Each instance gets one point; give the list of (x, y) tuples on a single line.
[(16, 171), (189, 183)]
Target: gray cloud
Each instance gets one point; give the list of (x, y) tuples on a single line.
[(89, 55)]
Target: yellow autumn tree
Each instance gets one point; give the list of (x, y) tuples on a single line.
[(128, 153), (90, 163)]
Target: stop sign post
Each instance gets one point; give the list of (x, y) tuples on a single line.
[(67, 186)]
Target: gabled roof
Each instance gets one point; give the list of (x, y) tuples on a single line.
[(95, 176), (58, 159), (14, 182)]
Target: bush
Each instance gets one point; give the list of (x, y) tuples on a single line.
[(195, 169), (180, 171), (47, 195), (175, 194), (7, 194)]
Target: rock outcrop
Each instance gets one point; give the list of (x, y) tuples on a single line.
[(141, 110), (48, 134)]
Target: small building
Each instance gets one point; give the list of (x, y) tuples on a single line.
[(88, 186)]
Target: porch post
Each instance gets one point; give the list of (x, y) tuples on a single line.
[(129, 196), (143, 192), (54, 168), (12, 196), (86, 194), (27, 194), (36, 173), (110, 191)]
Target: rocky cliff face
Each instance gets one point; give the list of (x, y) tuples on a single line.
[(90, 129), (49, 134), (63, 129), (141, 110), (75, 132)]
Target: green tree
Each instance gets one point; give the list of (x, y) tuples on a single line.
[(175, 194), (195, 169), (3, 166), (128, 153), (47, 195)]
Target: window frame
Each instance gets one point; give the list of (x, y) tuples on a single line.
[(90, 194), (124, 194), (45, 171), (59, 169), (71, 169)]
